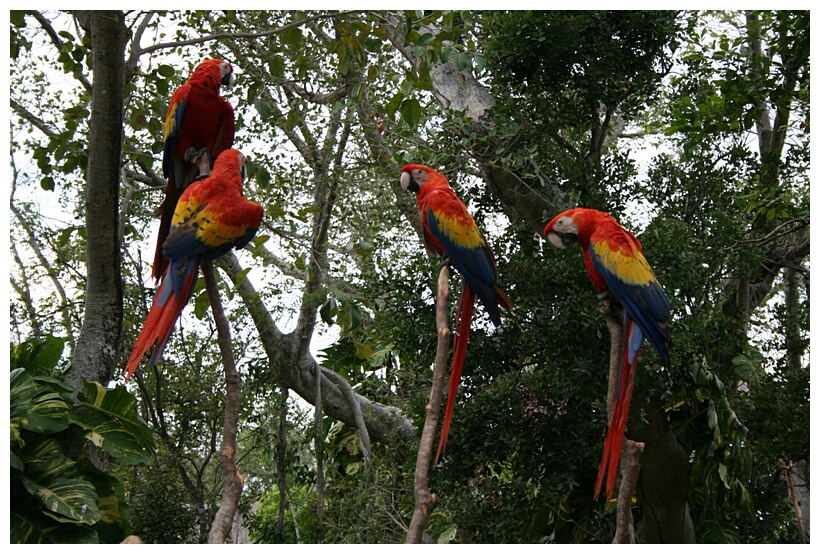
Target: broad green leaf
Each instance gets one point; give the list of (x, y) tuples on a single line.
[(34, 407), (328, 311), (34, 527), (55, 481), (166, 70), (263, 108), (201, 305), (276, 66), (411, 112), (242, 275), (47, 183), (113, 423), (448, 535)]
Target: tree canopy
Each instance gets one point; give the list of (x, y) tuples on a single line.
[(691, 128)]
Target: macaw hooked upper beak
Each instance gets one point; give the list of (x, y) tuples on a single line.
[(561, 240), (408, 183), (227, 75), (243, 162)]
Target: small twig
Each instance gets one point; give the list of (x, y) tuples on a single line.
[(232, 479), (424, 499)]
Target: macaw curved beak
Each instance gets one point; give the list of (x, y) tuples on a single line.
[(227, 75), (408, 183), (561, 240), (243, 162)]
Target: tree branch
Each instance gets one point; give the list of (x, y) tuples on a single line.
[(232, 481), (424, 499), (58, 45), (385, 424)]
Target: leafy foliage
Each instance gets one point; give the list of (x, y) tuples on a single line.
[(329, 106), (61, 498)]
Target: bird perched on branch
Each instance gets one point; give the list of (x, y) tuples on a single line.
[(617, 268), (450, 231), (211, 218), (199, 125)]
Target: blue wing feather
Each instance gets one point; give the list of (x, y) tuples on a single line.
[(647, 305), (475, 264)]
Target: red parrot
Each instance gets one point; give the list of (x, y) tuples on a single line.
[(199, 123), (450, 231), (211, 217), (616, 265)]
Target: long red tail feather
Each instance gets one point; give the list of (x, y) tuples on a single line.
[(160, 323), (617, 425), (464, 316)]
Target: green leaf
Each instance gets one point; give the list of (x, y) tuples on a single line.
[(201, 305), (47, 183), (276, 66), (263, 108), (328, 311), (263, 176), (411, 112), (448, 535), (292, 120), (242, 275), (30, 526), (17, 18), (37, 355), (166, 70), (57, 484), (113, 423), (260, 240), (34, 407), (393, 104)]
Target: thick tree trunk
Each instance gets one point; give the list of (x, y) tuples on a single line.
[(385, 424), (663, 485), (96, 347)]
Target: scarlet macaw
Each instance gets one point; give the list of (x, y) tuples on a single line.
[(211, 217), (450, 231), (616, 265), (199, 123)]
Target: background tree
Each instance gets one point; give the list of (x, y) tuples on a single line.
[(335, 291)]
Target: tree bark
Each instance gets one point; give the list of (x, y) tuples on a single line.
[(663, 485), (319, 443), (232, 482), (424, 499), (385, 424), (96, 349), (281, 466)]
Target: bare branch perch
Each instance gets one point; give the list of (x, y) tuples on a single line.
[(232, 479), (424, 499)]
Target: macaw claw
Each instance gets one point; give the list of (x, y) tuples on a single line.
[(445, 262), (201, 158)]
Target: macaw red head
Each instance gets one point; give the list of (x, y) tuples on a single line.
[(231, 161), (216, 70), (563, 231), (414, 176)]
